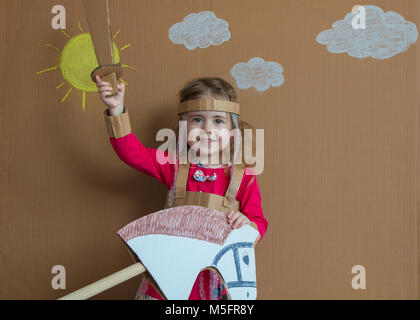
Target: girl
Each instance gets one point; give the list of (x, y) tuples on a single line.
[(214, 126)]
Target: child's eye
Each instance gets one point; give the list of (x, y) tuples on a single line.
[(198, 120), (219, 121)]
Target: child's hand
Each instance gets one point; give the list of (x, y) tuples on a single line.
[(104, 89), (237, 219)]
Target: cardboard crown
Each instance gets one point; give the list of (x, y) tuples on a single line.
[(208, 105)]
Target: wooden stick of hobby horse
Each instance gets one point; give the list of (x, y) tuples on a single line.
[(106, 283)]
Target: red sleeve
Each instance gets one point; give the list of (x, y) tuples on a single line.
[(249, 197), (131, 151)]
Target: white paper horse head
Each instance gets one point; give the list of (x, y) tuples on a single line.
[(175, 244)]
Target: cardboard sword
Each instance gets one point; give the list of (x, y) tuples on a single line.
[(97, 14)]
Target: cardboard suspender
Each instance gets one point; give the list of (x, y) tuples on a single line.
[(204, 199), (209, 200)]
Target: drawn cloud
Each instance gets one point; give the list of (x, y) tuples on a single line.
[(386, 34), (200, 30), (258, 73)]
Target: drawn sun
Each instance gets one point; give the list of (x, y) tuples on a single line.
[(77, 60)]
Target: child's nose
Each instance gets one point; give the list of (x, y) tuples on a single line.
[(208, 127), (210, 132)]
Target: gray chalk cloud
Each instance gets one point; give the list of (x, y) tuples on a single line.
[(258, 73), (200, 30), (386, 34)]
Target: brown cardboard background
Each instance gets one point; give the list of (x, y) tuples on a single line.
[(340, 183)]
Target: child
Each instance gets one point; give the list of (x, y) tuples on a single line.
[(202, 176)]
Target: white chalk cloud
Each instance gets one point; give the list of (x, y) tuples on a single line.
[(385, 35), (200, 30), (258, 73)]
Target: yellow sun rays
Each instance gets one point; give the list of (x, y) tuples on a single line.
[(75, 71)]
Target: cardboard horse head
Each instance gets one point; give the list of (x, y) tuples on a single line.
[(175, 244)]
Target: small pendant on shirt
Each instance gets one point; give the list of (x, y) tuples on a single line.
[(199, 176)]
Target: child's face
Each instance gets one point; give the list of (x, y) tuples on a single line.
[(214, 128)]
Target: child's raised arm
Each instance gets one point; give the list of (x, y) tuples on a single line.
[(128, 148)]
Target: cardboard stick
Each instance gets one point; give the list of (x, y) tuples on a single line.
[(106, 283), (97, 14)]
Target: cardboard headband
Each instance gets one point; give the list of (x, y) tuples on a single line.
[(208, 105)]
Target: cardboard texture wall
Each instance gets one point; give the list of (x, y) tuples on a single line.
[(340, 185)]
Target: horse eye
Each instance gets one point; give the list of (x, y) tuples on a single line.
[(245, 258)]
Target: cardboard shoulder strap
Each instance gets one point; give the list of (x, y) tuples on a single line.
[(181, 180), (233, 188), (229, 200)]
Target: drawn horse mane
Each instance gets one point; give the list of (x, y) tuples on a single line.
[(184, 221)]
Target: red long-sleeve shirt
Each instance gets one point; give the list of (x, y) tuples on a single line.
[(131, 151)]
